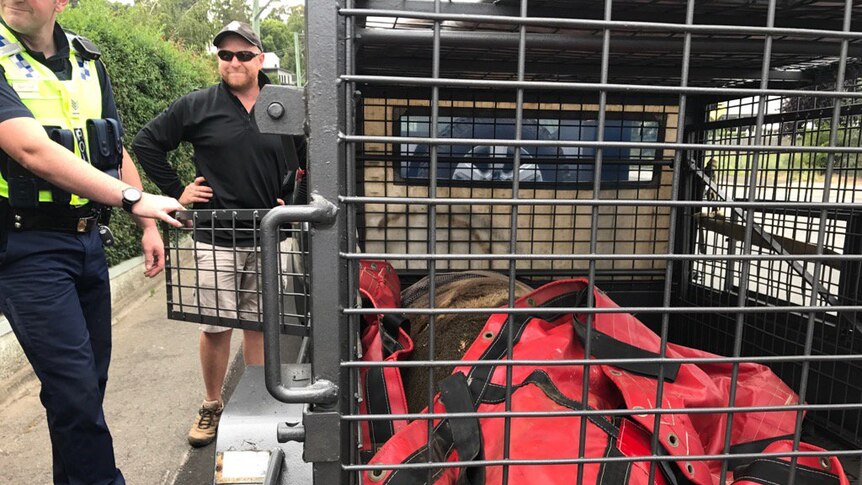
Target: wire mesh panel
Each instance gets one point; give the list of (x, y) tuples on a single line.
[(601, 242), (213, 267), (790, 176)]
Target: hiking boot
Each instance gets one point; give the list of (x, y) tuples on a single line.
[(204, 429)]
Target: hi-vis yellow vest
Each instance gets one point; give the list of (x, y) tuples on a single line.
[(65, 104)]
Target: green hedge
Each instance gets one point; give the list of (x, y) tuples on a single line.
[(147, 74)]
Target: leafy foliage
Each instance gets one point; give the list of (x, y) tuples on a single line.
[(147, 73), (277, 34), (193, 23), (225, 11)]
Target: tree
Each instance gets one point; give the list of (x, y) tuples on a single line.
[(225, 11), (277, 34), (147, 73), (186, 22), (257, 11), (193, 23), (812, 127)]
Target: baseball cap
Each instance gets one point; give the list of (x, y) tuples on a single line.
[(241, 29)]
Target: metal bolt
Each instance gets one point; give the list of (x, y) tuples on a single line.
[(17, 217), (275, 110), (17, 225)]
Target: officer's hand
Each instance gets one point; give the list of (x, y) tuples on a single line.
[(154, 251), (158, 207), (279, 201), (196, 192)]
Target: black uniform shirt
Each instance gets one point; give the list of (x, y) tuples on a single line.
[(11, 105), (245, 168)]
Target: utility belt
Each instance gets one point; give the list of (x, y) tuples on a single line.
[(50, 217), (77, 221), (105, 152)]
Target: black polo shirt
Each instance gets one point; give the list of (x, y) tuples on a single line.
[(245, 168)]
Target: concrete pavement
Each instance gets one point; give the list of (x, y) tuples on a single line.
[(154, 391)]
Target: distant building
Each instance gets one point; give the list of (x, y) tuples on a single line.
[(272, 68)]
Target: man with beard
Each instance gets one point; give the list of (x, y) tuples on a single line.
[(237, 168)]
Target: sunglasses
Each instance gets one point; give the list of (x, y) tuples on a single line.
[(243, 56)]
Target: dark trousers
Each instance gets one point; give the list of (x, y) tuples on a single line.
[(55, 292)]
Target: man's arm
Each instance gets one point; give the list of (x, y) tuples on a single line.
[(151, 240), (25, 141), (152, 144)]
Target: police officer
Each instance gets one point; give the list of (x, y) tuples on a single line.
[(62, 157)]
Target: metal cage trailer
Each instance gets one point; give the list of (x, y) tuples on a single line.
[(560, 242)]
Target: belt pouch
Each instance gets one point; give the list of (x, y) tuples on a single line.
[(105, 145), (23, 187), (67, 140)]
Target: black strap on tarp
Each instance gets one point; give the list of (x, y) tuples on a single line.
[(377, 402), (769, 471), (467, 437), (603, 346), (466, 432), (376, 392), (499, 346), (393, 322), (390, 325), (463, 434), (751, 447)]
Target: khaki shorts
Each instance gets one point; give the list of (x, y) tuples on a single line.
[(228, 280)]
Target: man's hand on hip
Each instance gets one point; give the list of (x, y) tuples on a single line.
[(196, 192)]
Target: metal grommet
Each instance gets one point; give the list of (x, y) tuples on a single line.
[(824, 462), (373, 267), (615, 372), (672, 440), (639, 407), (488, 335), (531, 302), (689, 468), (376, 475)]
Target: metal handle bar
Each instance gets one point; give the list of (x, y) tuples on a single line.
[(319, 211)]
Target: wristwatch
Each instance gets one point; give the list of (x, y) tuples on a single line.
[(131, 196)]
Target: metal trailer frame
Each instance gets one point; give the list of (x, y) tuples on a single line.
[(719, 276)]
